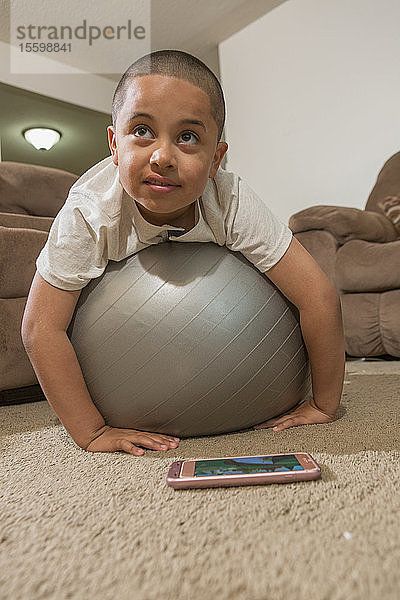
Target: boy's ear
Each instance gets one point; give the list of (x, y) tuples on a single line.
[(218, 156), (112, 142)]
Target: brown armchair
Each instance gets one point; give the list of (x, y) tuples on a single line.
[(30, 198), (359, 250)]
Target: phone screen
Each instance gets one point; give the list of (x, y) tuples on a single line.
[(246, 465)]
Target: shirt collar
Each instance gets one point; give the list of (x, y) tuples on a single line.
[(146, 231)]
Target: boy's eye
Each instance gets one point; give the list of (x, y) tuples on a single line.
[(142, 128), (189, 133)]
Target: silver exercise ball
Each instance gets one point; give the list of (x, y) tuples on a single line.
[(188, 339)]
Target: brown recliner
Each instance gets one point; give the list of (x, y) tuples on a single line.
[(30, 198), (359, 250)]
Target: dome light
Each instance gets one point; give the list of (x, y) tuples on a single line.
[(42, 138)]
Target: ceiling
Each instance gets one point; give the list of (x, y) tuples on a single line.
[(194, 26)]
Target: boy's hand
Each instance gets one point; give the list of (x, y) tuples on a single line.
[(113, 439), (306, 413)]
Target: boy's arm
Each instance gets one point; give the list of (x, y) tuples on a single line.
[(46, 318), (304, 283)]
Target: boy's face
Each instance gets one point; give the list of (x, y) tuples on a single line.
[(162, 145)]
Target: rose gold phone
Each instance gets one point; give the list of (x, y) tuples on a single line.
[(242, 470)]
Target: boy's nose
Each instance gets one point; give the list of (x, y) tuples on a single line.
[(163, 157)]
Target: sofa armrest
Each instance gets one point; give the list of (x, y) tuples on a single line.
[(25, 221), (19, 249), (345, 223)]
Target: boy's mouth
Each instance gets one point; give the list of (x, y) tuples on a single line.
[(161, 182)]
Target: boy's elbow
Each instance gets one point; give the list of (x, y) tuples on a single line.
[(28, 334), (30, 331), (36, 338)]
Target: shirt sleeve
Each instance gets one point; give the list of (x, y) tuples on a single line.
[(254, 230), (74, 253)]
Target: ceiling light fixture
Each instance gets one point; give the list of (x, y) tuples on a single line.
[(42, 138)]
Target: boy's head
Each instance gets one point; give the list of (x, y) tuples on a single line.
[(168, 115), (174, 63)]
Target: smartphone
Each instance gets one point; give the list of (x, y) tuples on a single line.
[(242, 470)]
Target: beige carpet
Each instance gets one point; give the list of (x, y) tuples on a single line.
[(80, 525)]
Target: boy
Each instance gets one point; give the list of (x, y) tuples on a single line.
[(163, 179)]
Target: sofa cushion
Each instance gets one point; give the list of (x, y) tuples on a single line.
[(26, 221), (19, 249), (372, 323), (368, 267), (16, 369), (33, 189)]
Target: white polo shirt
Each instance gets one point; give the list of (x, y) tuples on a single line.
[(100, 222)]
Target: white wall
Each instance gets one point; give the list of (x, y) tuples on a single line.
[(313, 101)]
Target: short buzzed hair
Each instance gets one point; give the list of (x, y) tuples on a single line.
[(175, 63)]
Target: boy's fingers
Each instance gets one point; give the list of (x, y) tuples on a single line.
[(272, 422), (127, 446), (291, 422), (158, 439), (158, 443), (268, 423), (166, 440), (282, 423)]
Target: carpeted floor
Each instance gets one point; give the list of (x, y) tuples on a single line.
[(80, 525)]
